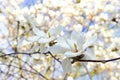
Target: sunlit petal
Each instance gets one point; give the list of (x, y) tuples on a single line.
[(76, 35), (70, 43), (78, 38), (66, 65), (58, 49), (55, 31), (89, 42), (72, 54), (38, 32), (46, 40), (89, 54), (33, 39), (62, 42)]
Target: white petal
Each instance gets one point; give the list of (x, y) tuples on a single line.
[(39, 32), (78, 37), (70, 43), (33, 39), (72, 54), (89, 55), (57, 49), (66, 65), (89, 42), (55, 31), (80, 42), (46, 40), (62, 42)]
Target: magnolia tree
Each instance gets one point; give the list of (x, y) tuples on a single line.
[(60, 40)]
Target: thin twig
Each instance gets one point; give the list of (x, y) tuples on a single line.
[(32, 68), (25, 70), (11, 54), (55, 57), (6, 75), (2, 72), (17, 39), (25, 62), (101, 61)]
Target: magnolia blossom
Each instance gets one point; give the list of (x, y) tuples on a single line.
[(74, 46), (43, 37)]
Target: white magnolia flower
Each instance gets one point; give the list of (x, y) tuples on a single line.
[(43, 37), (74, 46)]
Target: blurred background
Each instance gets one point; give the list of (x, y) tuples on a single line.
[(18, 17)]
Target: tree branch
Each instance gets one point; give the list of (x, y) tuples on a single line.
[(10, 54), (78, 60), (101, 61)]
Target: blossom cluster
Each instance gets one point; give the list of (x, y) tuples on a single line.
[(69, 29)]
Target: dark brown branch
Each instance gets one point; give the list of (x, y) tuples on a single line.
[(10, 54), (54, 57), (79, 60), (102, 61)]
